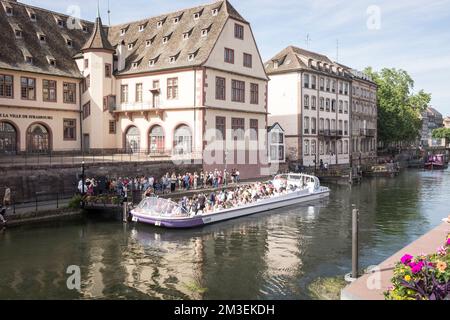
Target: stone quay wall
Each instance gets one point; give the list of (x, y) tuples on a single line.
[(46, 181)]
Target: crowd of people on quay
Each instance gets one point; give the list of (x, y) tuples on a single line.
[(235, 197), (168, 183)]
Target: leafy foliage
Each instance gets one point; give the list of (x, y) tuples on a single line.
[(441, 133), (399, 109)]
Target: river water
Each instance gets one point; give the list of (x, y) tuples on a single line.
[(274, 255)]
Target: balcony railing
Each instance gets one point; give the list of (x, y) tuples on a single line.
[(136, 106), (368, 132)]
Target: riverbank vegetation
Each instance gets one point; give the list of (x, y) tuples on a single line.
[(399, 107)]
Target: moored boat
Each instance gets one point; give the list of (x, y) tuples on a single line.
[(289, 189), (436, 162)]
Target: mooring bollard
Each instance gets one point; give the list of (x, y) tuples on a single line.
[(355, 251), (125, 212)]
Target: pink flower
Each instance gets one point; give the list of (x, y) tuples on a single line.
[(416, 267), (448, 241), (407, 258), (442, 251)]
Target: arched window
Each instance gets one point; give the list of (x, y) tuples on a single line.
[(313, 147), (38, 139), (132, 140), (182, 140), (8, 138), (306, 149), (157, 140)]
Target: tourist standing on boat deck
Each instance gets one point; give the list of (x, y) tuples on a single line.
[(238, 176)]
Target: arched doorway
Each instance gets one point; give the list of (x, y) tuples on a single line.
[(182, 140), (8, 138), (157, 140), (38, 139), (132, 140)]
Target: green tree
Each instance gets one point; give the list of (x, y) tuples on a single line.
[(399, 108), (441, 133)]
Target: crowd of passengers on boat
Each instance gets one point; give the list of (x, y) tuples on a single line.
[(222, 200)]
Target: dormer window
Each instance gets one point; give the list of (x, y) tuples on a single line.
[(130, 46), (185, 35), (9, 11), (197, 16), (152, 62), (135, 65), (18, 33), (172, 59), (69, 43), (205, 31), (215, 11), (42, 38), (29, 59), (159, 24), (141, 28), (148, 43), (123, 31), (33, 16), (51, 61), (166, 38), (275, 64), (192, 55), (176, 20), (60, 23), (85, 29)]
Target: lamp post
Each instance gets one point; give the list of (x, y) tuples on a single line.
[(82, 179)]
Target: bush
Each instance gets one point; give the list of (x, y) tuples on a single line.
[(75, 202), (425, 277)]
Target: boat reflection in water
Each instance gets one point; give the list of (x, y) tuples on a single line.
[(284, 190)]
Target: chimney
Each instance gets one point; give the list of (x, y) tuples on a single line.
[(121, 56)]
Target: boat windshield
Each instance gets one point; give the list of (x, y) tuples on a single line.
[(161, 207)]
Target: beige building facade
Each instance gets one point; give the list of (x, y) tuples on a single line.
[(189, 83), (309, 97)]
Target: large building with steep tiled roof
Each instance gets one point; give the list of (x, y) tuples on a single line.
[(172, 84)]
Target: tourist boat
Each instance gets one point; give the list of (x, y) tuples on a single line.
[(436, 162), (166, 213)]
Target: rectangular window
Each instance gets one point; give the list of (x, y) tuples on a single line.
[(239, 31), (220, 128), (322, 103), (322, 84), (313, 126), (220, 88), (247, 60), (49, 90), (237, 91), (238, 127), (138, 92), (86, 63), (108, 70), (253, 129), (313, 82), (124, 93), (86, 110), (254, 93), (112, 126), (313, 103), (172, 88), (69, 92), (6, 86), (306, 101), (306, 125), (306, 81), (229, 55), (277, 146), (28, 88), (70, 129)]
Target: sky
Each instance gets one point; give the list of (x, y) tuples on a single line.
[(413, 35)]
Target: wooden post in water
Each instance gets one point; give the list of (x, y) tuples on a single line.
[(355, 245), (125, 212)]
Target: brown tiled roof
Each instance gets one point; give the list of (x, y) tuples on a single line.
[(197, 45), (296, 59), (98, 39), (11, 53), (190, 52)]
